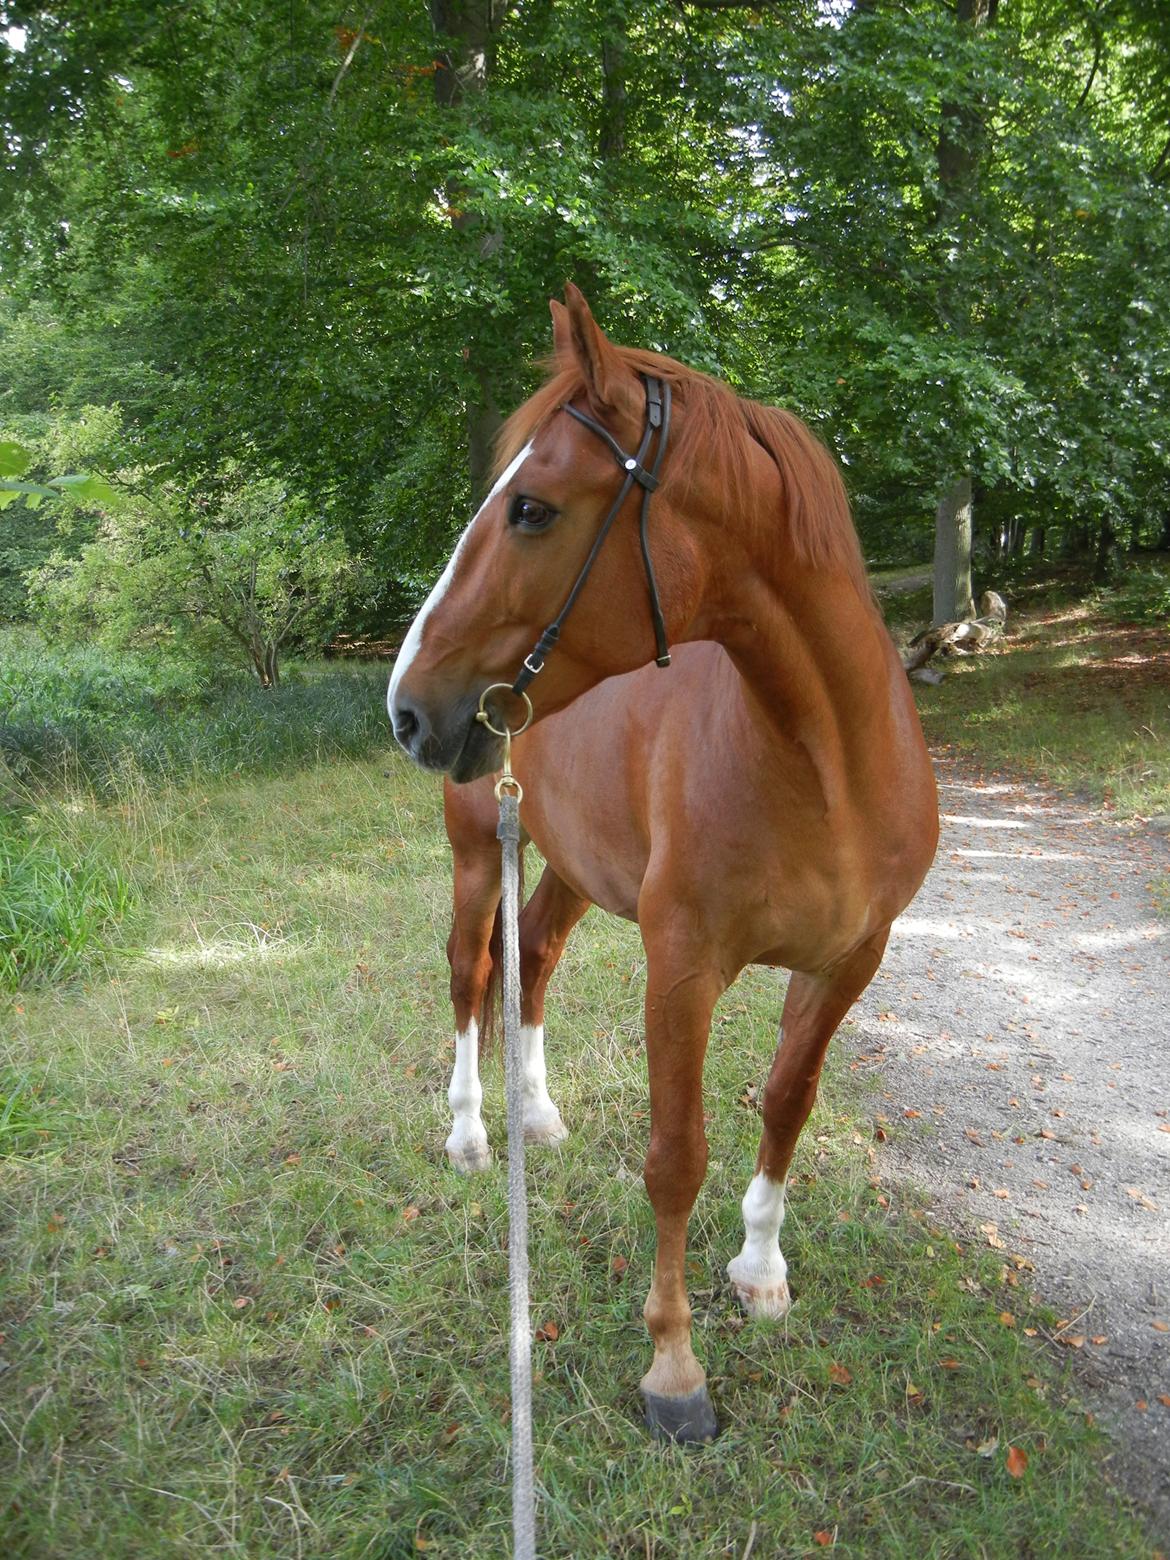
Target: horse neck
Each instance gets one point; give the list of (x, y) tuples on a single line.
[(814, 655)]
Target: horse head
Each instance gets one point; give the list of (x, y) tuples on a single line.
[(563, 477)]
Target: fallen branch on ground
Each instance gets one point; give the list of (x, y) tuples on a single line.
[(961, 638)]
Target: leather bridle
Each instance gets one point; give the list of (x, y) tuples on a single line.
[(637, 472)]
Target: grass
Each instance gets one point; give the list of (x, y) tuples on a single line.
[(1076, 695), (247, 1309), (53, 911)]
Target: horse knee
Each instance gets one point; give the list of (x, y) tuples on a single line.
[(538, 956), (676, 1162), (469, 981)]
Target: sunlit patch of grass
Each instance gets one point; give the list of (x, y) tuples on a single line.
[(251, 1311)]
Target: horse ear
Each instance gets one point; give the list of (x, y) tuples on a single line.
[(562, 333), (603, 369)]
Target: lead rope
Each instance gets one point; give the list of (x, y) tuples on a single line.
[(509, 795)]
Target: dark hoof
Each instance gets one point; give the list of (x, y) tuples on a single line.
[(688, 1420)]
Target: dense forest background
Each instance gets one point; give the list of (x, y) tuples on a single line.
[(277, 271)]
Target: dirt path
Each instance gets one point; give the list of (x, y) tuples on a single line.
[(1021, 1028)]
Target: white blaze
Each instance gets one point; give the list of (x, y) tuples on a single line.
[(413, 641)]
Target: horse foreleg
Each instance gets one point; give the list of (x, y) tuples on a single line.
[(680, 998), (813, 1008), (476, 895), (545, 923)]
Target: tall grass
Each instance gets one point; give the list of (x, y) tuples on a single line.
[(87, 715), (53, 911), (84, 721)]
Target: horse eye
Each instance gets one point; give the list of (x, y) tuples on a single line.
[(529, 514)]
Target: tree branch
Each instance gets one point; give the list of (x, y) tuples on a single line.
[(358, 40)]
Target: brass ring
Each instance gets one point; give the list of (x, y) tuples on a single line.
[(482, 716), (506, 782)]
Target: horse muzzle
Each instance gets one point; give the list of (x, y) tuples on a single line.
[(449, 739)]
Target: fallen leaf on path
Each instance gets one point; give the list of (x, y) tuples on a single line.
[(840, 1374), (1016, 1461), (547, 1332)]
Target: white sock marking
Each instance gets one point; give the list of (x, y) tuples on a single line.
[(467, 1146), (542, 1120), (759, 1272)]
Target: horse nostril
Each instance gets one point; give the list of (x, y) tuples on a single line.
[(408, 726)]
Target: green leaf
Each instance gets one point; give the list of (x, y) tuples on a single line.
[(23, 489), (89, 489), (14, 459)]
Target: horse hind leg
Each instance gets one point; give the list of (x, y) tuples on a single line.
[(545, 924), (813, 1008)]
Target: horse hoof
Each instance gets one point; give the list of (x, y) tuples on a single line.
[(764, 1302), (546, 1133), (688, 1420), (469, 1158)]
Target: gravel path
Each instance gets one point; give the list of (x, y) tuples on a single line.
[(1020, 1026)]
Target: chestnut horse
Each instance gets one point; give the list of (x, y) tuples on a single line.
[(767, 800)]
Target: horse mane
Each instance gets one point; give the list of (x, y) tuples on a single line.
[(716, 432)]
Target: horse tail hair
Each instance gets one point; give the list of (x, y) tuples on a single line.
[(490, 1026)]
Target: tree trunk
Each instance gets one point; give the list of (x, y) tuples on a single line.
[(952, 554), (468, 29), (961, 131), (1036, 542), (1103, 551)]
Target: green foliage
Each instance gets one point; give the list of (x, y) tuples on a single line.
[(15, 459), (313, 244), (52, 911), (22, 1127), (236, 564)]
